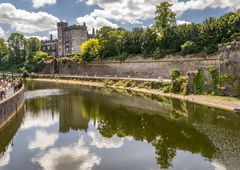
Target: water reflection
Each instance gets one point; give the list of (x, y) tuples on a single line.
[(84, 128), (76, 157)]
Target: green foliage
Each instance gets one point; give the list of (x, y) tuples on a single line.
[(33, 46), (188, 47), (90, 50), (3, 52), (168, 38), (198, 82), (18, 49), (235, 37), (165, 17), (175, 74), (38, 59), (215, 77), (179, 85), (122, 57)]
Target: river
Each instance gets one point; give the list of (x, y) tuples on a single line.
[(67, 127)]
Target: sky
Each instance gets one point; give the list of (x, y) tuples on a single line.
[(39, 17)]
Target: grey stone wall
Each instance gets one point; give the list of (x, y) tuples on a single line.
[(135, 69), (11, 105), (230, 68)]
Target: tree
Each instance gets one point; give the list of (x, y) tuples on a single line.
[(149, 41), (18, 51), (34, 46), (90, 50), (108, 40), (165, 17), (3, 49)]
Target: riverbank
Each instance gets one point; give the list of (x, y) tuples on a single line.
[(225, 103)]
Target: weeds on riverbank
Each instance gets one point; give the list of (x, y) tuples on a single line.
[(178, 85)]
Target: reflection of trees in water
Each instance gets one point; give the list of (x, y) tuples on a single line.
[(164, 155), (8, 132), (165, 135)]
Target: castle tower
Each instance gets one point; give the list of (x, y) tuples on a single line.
[(93, 33), (61, 40)]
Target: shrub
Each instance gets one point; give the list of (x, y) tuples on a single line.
[(90, 50), (235, 37), (198, 82), (215, 77), (123, 57), (188, 47), (175, 74)]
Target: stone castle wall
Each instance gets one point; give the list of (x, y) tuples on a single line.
[(135, 68), (10, 106), (227, 61), (229, 55)]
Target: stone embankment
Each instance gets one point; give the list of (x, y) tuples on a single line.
[(9, 106)]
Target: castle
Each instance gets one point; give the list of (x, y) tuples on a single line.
[(69, 39)]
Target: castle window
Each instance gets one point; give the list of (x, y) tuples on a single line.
[(72, 48)]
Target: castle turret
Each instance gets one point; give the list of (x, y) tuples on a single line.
[(61, 27), (93, 33)]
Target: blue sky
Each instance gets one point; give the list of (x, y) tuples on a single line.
[(39, 17)]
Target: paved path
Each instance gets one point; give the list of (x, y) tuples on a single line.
[(104, 78)]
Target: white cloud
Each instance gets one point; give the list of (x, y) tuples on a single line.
[(42, 3), (102, 142), (218, 166), (26, 22), (42, 93), (53, 33), (43, 140), (38, 37), (4, 160), (41, 122), (95, 22), (2, 33), (135, 11), (180, 22), (77, 155)]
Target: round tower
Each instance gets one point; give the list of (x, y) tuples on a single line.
[(61, 39)]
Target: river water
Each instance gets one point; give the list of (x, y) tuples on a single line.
[(66, 127)]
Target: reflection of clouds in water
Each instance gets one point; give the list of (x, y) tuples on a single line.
[(103, 142), (42, 93), (42, 121), (72, 157), (43, 140), (4, 160), (218, 166)]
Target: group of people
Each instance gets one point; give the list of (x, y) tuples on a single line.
[(8, 87)]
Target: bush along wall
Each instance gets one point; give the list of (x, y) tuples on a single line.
[(204, 81)]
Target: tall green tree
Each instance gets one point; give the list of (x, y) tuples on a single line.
[(18, 49), (165, 17), (3, 49), (33, 46)]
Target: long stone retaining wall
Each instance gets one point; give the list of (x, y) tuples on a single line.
[(134, 69), (10, 106)]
